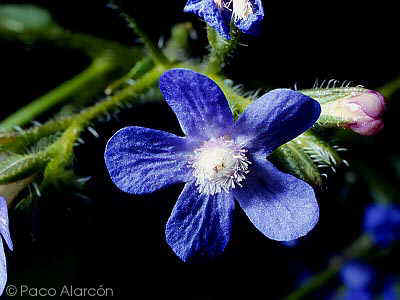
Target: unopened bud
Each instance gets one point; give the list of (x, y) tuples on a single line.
[(361, 113)]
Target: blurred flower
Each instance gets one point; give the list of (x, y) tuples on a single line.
[(5, 233), (362, 282), (245, 14), (382, 223), (357, 276), (219, 161), (361, 113)]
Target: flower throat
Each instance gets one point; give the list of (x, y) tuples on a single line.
[(219, 165)]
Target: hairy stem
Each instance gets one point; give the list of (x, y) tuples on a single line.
[(220, 49), (62, 150), (59, 95), (156, 54), (390, 88)]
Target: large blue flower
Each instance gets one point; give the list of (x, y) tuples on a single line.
[(245, 14), (382, 223), (219, 160), (5, 233)]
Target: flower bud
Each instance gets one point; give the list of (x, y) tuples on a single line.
[(361, 113)]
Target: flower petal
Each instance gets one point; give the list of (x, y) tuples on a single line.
[(3, 268), (251, 24), (281, 206), (198, 102), (142, 160), (274, 119), (4, 224), (211, 14), (200, 225)]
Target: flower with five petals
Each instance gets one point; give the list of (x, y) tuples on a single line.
[(220, 161)]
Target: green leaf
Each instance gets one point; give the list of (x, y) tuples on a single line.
[(22, 18)]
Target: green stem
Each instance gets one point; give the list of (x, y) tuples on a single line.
[(141, 85), (359, 248), (141, 67), (155, 52), (220, 49), (60, 94), (18, 142), (56, 158), (55, 35), (390, 88), (314, 283), (61, 151)]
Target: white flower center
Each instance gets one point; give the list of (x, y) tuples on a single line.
[(219, 165), (241, 9)]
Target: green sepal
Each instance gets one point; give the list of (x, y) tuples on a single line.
[(308, 158), (16, 167), (19, 141), (322, 154), (292, 159), (325, 95)]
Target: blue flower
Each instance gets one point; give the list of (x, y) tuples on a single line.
[(219, 160), (5, 233), (362, 282), (382, 223), (357, 276), (245, 14)]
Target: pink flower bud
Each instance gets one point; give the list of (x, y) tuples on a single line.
[(361, 113)]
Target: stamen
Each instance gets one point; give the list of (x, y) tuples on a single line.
[(219, 165), (219, 3), (241, 9)]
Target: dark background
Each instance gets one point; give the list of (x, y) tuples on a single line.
[(117, 240)]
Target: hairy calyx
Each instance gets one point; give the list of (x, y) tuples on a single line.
[(219, 165)]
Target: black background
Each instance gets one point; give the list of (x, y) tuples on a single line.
[(117, 240)]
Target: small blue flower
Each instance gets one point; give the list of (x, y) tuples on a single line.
[(5, 233), (245, 14), (219, 160), (362, 282), (382, 223), (357, 276)]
